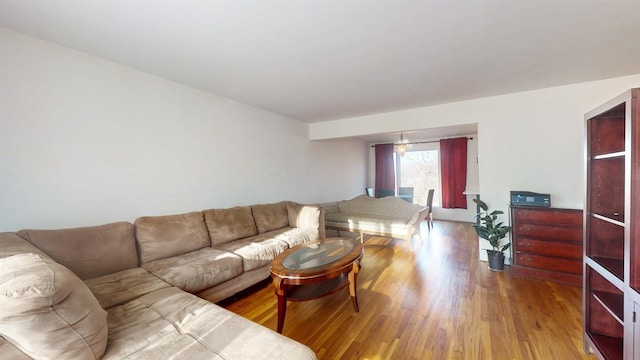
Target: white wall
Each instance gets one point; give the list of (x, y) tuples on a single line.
[(527, 141), (84, 141)]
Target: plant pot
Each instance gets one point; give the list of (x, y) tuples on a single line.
[(496, 260)]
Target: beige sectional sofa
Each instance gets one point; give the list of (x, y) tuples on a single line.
[(125, 290), (388, 216)]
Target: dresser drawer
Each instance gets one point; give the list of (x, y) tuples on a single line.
[(548, 216), (549, 263), (569, 234), (550, 248)]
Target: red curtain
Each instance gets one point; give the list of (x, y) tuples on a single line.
[(385, 171), (453, 164)]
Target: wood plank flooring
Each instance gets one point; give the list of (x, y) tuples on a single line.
[(440, 302)]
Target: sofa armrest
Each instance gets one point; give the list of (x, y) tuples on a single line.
[(418, 217), (322, 229)]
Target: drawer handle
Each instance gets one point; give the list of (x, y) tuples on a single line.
[(529, 244), (616, 214)]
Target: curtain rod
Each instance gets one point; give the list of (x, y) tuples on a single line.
[(417, 142)]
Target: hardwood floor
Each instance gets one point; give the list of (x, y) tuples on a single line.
[(440, 302)]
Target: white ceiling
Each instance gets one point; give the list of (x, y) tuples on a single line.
[(316, 60)]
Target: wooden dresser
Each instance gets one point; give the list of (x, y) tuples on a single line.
[(547, 243)]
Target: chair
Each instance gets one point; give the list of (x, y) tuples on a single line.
[(406, 193), (385, 192), (370, 191), (429, 217)]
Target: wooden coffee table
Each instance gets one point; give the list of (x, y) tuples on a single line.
[(316, 269)]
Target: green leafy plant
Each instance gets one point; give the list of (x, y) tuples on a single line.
[(489, 228)]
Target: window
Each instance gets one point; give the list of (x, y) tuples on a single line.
[(420, 170)]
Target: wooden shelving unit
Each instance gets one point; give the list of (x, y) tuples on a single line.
[(611, 237)]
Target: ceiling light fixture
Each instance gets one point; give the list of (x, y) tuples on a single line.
[(402, 146)]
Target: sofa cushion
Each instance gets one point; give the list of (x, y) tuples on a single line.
[(171, 321), (8, 351), (303, 216), (122, 286), (226, 225), (198, 269), (369, 223), (48, 312), (270, 216), (255, 251), (161, 237), (293, 236), (89, 251), (12, 244)]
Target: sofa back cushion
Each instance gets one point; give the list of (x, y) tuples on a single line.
[(270, 216), (330, 208), (89, 251), (226, 225), (12, 244), (160, 237), (48, 312), (389, 206)]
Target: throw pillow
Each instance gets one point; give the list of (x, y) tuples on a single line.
[(303, 216), (48, 312)]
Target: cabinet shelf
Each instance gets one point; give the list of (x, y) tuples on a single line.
[(609, 219), (613, 303), (614, 266), (605, 244), (603, 176), (610, 347), (618, 154), (604, 322)]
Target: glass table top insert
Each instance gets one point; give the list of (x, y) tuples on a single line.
[(317, 254)]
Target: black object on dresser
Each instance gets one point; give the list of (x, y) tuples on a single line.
[(528, 198), (547, 243)]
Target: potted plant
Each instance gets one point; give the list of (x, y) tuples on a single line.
[(493, 231)]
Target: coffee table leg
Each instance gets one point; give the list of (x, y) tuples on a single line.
[(353, 274), (282, 301)]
